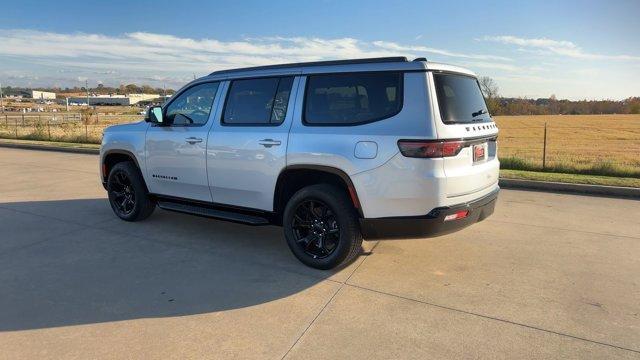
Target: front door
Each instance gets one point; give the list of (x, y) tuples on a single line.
[(176, 151), (248, 144)]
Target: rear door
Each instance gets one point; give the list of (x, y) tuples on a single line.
[(248, 143), (461, 113)]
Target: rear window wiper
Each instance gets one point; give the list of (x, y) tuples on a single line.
[(479, 112)]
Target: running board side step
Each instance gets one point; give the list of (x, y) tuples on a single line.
[(195, 209)]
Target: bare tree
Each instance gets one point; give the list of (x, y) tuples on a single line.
[(489, 87), (490, 90)]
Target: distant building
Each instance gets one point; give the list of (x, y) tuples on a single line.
[(114, 99), (136, 98), (42, 95)]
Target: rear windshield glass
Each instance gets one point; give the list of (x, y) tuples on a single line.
[(460, 99), (350, 99)]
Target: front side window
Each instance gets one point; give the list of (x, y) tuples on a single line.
[(257, 101), (460, 99), (350, 99), (193, 106)]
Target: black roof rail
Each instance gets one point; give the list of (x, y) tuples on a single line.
[(316, 63)]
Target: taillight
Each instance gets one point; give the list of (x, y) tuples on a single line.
[(430, 148)]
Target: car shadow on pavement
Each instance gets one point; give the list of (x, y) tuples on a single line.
[(71, 262)]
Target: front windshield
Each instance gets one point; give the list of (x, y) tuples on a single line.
[(460, 99)]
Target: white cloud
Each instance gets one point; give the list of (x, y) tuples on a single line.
[(391, 46), (559, 47), (142, 51), (492, 65)]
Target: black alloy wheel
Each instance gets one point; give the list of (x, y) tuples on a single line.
[(315, 229), (128, 195), (124, 197), (321, 226)]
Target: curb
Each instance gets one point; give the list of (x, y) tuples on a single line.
[(76, 150), (584, 189)]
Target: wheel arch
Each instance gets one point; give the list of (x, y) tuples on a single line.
[(294, 177), (113, 157)]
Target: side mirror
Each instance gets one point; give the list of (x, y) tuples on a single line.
[(154, 115)]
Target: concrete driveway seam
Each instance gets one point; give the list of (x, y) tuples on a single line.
[(328, 302), (492, 318)]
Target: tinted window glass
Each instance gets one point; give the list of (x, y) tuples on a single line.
[(257, 101), (281, 100), (460, 99), (193, 106), (343, 99)]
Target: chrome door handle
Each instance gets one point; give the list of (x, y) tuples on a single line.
[(192, 140), (269, 142)]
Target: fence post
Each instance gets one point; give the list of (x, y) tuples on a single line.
[(544, 148), (86, 133), (49, 128), (16, 129), (22, 119)]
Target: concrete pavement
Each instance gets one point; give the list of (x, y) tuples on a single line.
[(547, 276)]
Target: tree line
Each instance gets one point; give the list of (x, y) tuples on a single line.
[(100, 89), (497, 104), (551, 106)]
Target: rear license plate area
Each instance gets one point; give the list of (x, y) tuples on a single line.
[(479, 152)]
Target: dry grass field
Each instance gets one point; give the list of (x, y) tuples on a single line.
[(588, 144), (598, 144)]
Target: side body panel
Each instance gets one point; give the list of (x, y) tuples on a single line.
[(244, 161), (350, 148)]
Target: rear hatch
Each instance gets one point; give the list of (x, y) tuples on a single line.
[(461, 114)]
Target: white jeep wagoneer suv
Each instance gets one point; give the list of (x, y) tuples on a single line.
[(332, 151)]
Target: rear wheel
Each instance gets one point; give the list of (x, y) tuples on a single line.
[(127, 194), (322, 227)]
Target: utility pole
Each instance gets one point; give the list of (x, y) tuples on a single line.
[(86, 86), (544, 148), (1, 103)]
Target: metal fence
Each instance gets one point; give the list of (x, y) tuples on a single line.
[(68, 127)]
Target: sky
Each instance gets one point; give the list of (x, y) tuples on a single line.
[(572, 49)]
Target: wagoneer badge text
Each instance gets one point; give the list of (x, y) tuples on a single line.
[(165, 177)]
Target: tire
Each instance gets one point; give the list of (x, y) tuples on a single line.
[(128, 194), (315, 242)]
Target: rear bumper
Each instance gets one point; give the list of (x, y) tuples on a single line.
[(433, 223)]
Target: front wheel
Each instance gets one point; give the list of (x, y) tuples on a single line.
[(321, 227), (127, 194)]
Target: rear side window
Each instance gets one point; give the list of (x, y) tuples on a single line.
[(460, 99), (351, 99), (257, 101)]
